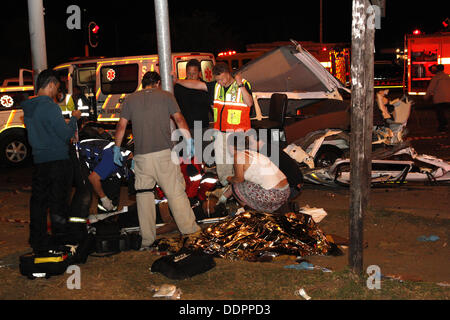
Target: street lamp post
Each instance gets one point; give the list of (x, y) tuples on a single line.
[(37, 37), (164, 50)]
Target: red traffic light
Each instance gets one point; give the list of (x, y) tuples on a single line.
[(417, 32), (93, 35), (95, 29)]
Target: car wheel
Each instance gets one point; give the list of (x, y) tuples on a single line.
[(14, 149), (326, 156), (327, 153)]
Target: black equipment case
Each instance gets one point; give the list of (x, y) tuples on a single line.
[(45, 264)]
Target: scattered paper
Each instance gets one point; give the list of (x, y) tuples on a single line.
[(302, 293), (316, 213), (167, 291)]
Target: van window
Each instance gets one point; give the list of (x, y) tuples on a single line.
[(181, 69), (206, 66), (12, 83), (119, 79), (86, 76)]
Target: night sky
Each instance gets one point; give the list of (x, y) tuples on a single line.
[(128, 27)]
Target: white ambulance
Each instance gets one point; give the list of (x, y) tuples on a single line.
[(97, 87)]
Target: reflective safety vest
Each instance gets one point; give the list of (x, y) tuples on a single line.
[(67, 106), (230, 111)]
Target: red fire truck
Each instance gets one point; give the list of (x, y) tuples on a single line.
[(423, 51)]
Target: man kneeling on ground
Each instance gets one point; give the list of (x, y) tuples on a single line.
[(95, 171)]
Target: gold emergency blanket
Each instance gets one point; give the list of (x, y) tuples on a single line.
[(252, 235)]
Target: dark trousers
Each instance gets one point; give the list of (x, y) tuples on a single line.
[(440, 109), (82, 197), (111, 188), (51, 185)]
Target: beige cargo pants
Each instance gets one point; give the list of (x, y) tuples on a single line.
[(158, 168)]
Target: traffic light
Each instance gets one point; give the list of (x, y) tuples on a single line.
[(93, 30), (446, 24)]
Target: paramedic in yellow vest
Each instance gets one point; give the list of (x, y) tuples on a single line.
[(231, 99), (66, 104)]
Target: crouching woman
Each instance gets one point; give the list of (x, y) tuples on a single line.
[(257, 182)]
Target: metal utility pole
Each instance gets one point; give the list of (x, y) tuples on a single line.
[(362, 64), (37, 37), (164, 50)]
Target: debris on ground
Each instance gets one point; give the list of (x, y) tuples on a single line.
[(301, 266), (305, 265), (301, 292), (168, 291), (401, 277), (318, 214), (443, 284), (430, 238)]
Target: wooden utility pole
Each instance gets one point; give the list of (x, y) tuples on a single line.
[(362, 64)]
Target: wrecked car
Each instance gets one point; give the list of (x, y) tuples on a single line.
[(313, 98)]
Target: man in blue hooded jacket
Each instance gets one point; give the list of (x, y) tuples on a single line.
[(49, 136)]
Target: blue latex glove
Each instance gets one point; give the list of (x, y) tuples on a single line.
[(117, 156), (190, 148)]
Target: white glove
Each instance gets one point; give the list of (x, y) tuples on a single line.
[(107, 203)]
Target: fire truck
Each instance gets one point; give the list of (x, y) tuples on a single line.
[(335, 57), (236, 60), (422, 52), (99, 87)]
